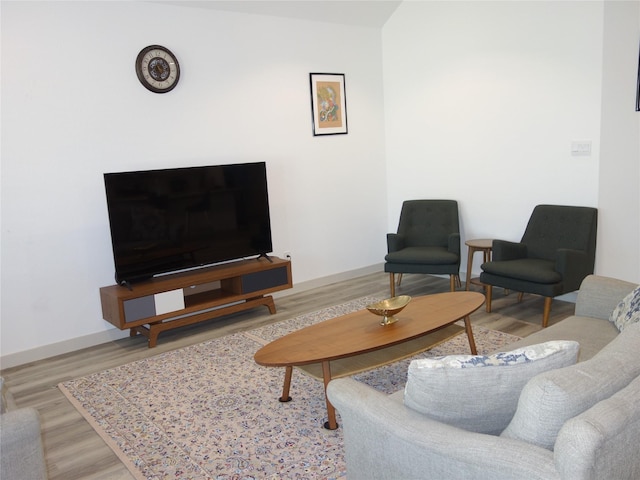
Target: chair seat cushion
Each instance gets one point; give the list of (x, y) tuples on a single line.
[(423, 255), (528, 269), (479, 393)]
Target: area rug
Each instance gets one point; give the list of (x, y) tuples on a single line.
[(208, 411)]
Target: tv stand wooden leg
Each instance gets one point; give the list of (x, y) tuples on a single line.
[(270, 304), (149, 332), (153, 337)]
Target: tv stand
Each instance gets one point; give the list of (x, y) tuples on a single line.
[(180, 299)]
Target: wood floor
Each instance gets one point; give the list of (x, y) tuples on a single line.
[(75, 451)]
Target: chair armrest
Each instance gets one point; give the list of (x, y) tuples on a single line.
[(599, 295), (384, 439), (505, 250), (574, 265), (395, 242), (454, 243), (21, 446)]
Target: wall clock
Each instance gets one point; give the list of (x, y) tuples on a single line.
[(157, 69)]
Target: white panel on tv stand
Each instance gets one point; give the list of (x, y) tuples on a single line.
[(169, 301)]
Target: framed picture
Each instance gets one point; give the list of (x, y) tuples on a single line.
[(638, 87), (328, 103)]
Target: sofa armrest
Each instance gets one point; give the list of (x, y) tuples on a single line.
[(21, 446), (602, 442), (384, 439), (599, 295)]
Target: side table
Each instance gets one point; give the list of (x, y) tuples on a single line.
[(483, 245)]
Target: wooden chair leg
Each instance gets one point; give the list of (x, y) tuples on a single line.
[(392, 283), (399, 279), (452, 283), (547, 311), (520, 296), (488, 292)]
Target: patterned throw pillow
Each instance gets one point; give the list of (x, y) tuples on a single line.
[(627, 311), (479, 393)]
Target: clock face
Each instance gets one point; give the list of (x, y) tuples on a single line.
[(157, 69)]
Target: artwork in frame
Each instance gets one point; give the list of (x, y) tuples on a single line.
[(328, 103)]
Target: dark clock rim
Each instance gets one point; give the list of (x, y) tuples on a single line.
[(140, 75)]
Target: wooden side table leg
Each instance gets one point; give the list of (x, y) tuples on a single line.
[(472, 343), (469, 265), (287, 385), (392, 284), (331, 424)]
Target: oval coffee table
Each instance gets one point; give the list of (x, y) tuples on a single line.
[(360, 332)]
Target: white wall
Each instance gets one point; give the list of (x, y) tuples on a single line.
[(482, 102), (72, 109), (619, 192)]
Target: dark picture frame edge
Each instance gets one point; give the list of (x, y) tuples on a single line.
[(638, 84), (328, 103)]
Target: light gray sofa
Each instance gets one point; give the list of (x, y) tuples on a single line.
[(22, 455), (589, 411)]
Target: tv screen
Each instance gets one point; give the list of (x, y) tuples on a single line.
[(175, 219)]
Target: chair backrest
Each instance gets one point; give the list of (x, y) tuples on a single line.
[(428, 222), (558, 226)]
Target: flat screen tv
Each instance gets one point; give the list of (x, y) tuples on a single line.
[(175, 219)]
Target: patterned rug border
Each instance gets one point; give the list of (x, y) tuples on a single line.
[(183, 460), (111, 443)]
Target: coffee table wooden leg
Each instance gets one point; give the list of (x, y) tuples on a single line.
[(331, 424), (287, 385), (472, 343)]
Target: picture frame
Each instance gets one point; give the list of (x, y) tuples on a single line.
[(638, 86), (328, 103)]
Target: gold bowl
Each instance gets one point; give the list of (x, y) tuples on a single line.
[(389, 307)]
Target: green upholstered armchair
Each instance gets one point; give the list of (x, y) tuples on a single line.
[(556, 253), (427, 241)]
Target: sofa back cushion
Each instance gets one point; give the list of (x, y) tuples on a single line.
[(551, 398), (480, 393)]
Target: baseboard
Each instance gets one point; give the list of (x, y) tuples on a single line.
[(328, 280), (93, 339), (60, 348)]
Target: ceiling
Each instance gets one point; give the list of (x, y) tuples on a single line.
[(369, 13)]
